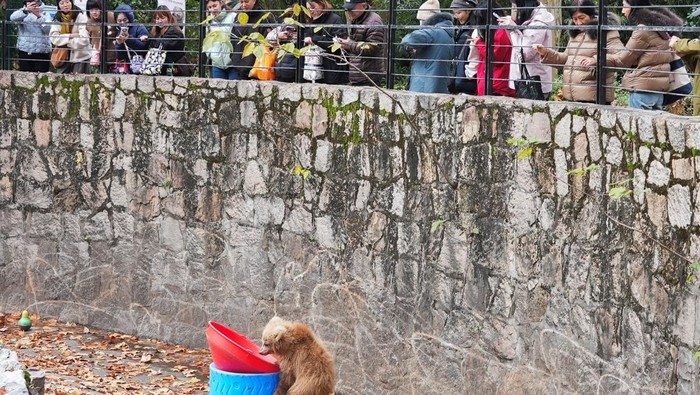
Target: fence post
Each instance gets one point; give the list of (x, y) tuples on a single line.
[(390, 47), (601, 75), (103, 37), (4, 46), (490, 38), (202, 31)]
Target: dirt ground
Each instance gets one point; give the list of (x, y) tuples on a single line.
[(80, 360)]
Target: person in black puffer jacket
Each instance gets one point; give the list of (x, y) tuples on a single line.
[(166, 33), (365, 44), (254, 10), (330, 23)]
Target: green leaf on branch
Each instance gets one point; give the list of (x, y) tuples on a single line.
[(619, 192), (265, 16), (525, 153), (248, 49), (335, 47), (695, 266), (208, 19), (307, 12), (436, 225), (300, 171), (297, 9), (696, 356), (243, 18), (582, 170), (259, 51), (318, 29), (691, 278), (292, 21)]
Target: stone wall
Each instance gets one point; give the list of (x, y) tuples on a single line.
[(431, 261)]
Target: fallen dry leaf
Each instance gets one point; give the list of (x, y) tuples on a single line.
[(81, 360)]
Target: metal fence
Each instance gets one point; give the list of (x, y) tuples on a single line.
[(396, 74)]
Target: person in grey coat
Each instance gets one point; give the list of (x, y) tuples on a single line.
[(433, 50), (33, 44)]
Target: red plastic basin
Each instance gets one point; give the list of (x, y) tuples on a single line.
[(233, 352)]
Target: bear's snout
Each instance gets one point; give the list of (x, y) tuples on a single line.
[(264, 350)]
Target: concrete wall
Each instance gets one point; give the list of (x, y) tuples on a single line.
[(430, 262)]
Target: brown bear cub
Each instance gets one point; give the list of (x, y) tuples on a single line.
[(306, 367)]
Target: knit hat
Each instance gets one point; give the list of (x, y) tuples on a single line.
[(428, 9), (463, 4)]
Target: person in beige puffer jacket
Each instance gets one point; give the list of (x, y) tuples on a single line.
[(646, 57), (580, 82)]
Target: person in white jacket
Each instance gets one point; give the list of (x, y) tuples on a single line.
[(69, 30), (220, 57), (33, 45), (529, 13)]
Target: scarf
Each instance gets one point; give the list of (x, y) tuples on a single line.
[(66, 28)]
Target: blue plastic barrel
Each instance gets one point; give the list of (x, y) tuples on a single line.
[(228, 383)]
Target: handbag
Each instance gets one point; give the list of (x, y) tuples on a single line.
[(135, 60), (59, 56), (528, 86), (681, 86), (264, 66), (153, 62), (183, 68), (313, 64)]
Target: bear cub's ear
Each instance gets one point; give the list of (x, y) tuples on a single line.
[(278, 332)]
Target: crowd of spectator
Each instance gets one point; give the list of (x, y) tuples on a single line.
[(448, 52)]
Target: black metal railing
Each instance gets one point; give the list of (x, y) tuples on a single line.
[(395, 63)]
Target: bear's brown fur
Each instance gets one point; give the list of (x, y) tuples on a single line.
[(305, 364)]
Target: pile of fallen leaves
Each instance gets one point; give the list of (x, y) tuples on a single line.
[(81, 360)]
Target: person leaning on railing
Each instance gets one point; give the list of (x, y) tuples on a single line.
[(129, 34), (223, 19), (465, 60), (529, 13), (580, 82), (70, 30), (689, 50), (33, 45), (432, 48), (166, 34), (334, 71), (365, 43), (646, 54), (240, 31), (502, 50)]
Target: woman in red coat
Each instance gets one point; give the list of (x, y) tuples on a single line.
[(502, 48)]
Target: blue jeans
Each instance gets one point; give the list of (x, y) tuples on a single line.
[(226, 74), (646, 100)]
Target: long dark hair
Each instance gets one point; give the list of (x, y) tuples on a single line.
[(159, 31), (75, 11), (481, 17), (525, 9), (587, 7)]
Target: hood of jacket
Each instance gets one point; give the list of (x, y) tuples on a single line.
[(125, 9), (613, 20), (440, 19), (540, 14), (658, 16)]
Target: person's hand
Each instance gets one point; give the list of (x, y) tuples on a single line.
[(506, 20), (282, 35), (74, 35), (344, 43), (308, 41), (143, 38), (34, 8), (540, 49), (672, 42), (589, 62), (120, 39)]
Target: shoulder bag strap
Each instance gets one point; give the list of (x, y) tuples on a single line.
[(524, 74)]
